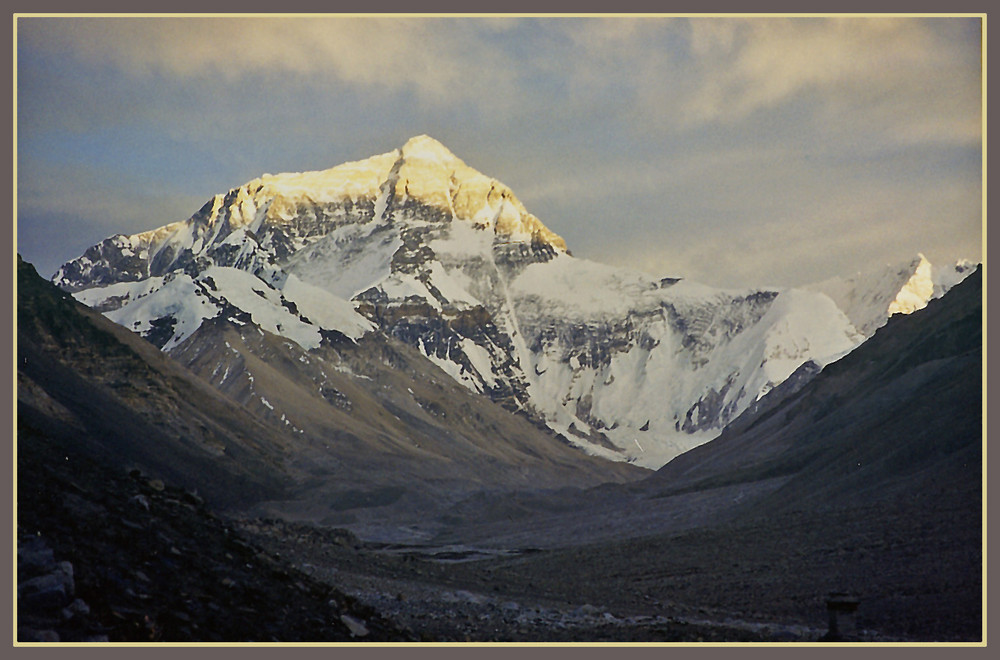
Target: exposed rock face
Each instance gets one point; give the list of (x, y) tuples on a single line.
[(419, 246)]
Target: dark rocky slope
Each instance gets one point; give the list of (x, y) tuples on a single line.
[(108, 556), (898, 417), (85, 382), (121, 478)]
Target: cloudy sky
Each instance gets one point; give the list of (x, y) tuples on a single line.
[(734, 151)]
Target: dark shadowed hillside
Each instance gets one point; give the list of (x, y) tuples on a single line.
[(90, 386), (901, 416), (119, 453)]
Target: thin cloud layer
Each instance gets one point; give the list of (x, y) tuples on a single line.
[(913, 79), (440, 60), (915, 73)]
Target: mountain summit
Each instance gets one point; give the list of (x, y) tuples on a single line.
[(418, 247), (284, 213)]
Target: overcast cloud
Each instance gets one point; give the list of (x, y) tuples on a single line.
[(756, 151)]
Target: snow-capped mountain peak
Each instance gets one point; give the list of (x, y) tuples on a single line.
[(916, 292), (286, 212), (420, 247), (426, 148), (869, 298), (427, 171)]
